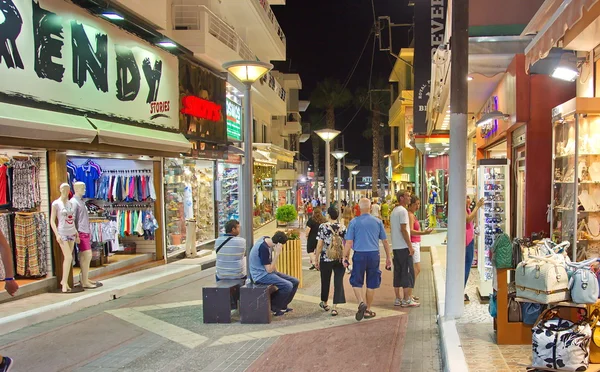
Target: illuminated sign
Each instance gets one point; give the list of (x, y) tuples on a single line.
[(488, 129), (201, 108), (234, 121)]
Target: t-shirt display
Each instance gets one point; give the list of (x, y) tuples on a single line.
[(88, 174)]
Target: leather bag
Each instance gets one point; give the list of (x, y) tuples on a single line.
[(542, 280), (514, 311), (583, 283), (502, 252)]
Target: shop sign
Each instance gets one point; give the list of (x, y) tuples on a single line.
[(234, 121), (430, 22), (200, 108), (367, 179), (203, 93), (55, 52), (234, 159), (489, 129)]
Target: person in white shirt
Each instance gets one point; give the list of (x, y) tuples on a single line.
[(375, 208), (404, 271)]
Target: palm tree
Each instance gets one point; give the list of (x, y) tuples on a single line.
[(330, 95), (315, 122)]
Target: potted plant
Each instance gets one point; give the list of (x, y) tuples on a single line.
[(286, 214)]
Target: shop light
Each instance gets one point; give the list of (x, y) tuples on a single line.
[(113, 16), (565, 73), (167, 44), (469, 78)]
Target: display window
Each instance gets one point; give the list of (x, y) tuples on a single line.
[(24, 214), (264, 194), (189, 203), (118, 197), (228, 194)]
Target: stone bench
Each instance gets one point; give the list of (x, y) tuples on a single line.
[(218, 300), (255, 303)]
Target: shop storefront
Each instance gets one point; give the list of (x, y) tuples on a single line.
[(265, 195), (62, 122)]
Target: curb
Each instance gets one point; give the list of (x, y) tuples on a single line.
[(129, 283), (453, 356)]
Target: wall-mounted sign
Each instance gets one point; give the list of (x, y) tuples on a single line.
[(234, 121), (200, 108), (54, 52), (430, 22), (203, 94), (491, 127)]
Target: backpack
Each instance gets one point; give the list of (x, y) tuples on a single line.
[(335, 250)]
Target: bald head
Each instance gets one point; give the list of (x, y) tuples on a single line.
[(365, 205)]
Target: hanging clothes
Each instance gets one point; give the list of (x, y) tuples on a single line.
[(26, 185), (26, 246)]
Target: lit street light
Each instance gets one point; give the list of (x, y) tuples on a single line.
[(354, 173), (339, 154), (350, 166), (247, 72), (327, 135)]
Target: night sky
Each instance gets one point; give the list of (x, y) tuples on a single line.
[(325, 39)]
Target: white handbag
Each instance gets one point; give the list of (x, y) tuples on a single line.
[(583, 283), (543, 280)]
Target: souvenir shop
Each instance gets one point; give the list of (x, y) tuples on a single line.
[(265, 195), (92, 128)]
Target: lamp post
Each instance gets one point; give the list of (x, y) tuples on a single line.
[(339, 155), (247, 72), (327, 135), (350, 166), (354, 173)]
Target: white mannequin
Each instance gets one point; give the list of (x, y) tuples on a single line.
[(62, 222), (83, 227)]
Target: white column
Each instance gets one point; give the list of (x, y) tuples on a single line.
[(339, 186), (327, 174), (246, 190)]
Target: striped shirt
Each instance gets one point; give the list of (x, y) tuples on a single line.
[(230, 259)]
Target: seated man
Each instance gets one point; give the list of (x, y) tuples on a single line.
[(230, 250), (263, 269)]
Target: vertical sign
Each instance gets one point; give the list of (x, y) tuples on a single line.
[(430, 21)]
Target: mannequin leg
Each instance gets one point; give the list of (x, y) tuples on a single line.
[(85, 258), (67, 250)]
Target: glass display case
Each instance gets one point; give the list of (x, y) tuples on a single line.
[(228, 202), (576, 176), (493, 183)]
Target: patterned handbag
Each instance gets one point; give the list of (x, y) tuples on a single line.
[(559, 343), (502, 252)]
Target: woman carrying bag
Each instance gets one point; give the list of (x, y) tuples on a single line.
[(329, 260)]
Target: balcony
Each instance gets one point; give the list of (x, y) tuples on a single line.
[(270, 95), (212, 40), (292, 124), (264, 34)]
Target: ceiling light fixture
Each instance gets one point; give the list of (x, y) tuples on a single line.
[(166, 44), (568, 67), (113, 16)]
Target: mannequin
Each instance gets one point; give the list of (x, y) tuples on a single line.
[(82, 222), (62, 221)]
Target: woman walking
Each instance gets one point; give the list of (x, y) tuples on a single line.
[(331, 235), (415, 234), (312, 229)]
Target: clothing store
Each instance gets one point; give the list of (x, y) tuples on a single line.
[(201, 189), (88, 135)]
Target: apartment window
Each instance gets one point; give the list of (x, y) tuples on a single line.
[(264, 133)]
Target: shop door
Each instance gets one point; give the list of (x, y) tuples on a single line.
[(519, 169)]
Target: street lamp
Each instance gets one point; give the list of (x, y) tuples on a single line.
[(247, 72), (350, 166), (327, 135), (339, 154), (354, 173)]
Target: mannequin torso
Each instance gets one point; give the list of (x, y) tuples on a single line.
[(81, 214), (66, 218)]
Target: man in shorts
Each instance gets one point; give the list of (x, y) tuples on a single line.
[(362, 236), (404, 271)]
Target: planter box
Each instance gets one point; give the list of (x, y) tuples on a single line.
[(290, 260)]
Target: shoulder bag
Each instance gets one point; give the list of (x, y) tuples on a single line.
[(583, 283), (502, 252), (222, 244), (543, 280)]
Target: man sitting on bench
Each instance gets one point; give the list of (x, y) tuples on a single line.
[(230, 249), (263, 269)]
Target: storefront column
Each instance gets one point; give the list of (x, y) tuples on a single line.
[(246, 188), (57, 175), (159, 210)]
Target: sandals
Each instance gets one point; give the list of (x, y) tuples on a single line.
[(360, 314), (369, 314), (323, 306), (334, 312)]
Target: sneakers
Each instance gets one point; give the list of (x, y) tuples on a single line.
[(6, 364), (410, 303), (276, 313), (398, 302)]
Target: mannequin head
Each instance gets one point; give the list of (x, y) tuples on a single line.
[(79, 188), (64, 190)]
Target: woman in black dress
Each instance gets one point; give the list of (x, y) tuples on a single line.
[(312, 229)]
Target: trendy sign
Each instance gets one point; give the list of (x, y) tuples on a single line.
[(53, 51), (430, 22), (201, 108), (234, 121)]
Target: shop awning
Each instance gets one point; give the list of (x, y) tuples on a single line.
[(276, 152), (564, 18), (131, 136), (30, 123)]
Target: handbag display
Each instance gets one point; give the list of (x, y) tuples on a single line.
[(530, 312), (502, 252), (514, 311), (560, 344), (583, 283), (543, 280)]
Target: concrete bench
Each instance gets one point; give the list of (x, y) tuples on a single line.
[(255, 303), (219, 299)]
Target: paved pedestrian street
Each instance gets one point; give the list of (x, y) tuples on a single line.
[(161, 329)]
